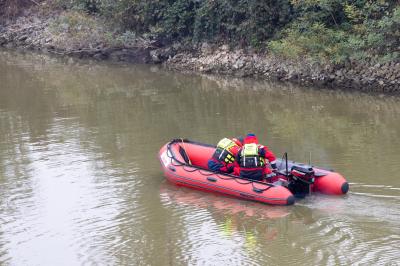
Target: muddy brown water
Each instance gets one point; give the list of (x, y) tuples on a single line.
[(80, 183)]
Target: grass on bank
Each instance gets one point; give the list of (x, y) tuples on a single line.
[(332, 31), (75, 29)]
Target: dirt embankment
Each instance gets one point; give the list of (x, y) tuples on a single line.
[(359, 76), (47, 34)]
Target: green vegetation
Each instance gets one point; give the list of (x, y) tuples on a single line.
[(74, 30), (243, 22), (335, 31)]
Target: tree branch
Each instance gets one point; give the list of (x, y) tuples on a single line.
[(33, 1)]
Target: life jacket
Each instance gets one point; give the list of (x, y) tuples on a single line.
[(250, 157), (225, 151)]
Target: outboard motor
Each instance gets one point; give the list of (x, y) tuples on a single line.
[(300, 180)]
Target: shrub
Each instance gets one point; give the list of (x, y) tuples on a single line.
[(323, 30), (339, 31)]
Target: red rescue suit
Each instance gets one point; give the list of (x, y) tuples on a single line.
[(252, 160)]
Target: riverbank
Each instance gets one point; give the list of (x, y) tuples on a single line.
[(359, 76), (55, 33)]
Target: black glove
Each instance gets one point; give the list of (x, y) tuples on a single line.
[(270, 175)]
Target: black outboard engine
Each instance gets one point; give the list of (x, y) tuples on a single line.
[(300, 180)]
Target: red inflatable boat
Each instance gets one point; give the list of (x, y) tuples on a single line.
[(184, 163)]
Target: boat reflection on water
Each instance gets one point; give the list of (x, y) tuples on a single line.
[(220, 203), (250, 221), (232, 214)]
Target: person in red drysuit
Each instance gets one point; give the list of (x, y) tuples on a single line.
[(223, 159), (252, 160)]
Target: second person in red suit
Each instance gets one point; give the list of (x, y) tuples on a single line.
[(253, 158)]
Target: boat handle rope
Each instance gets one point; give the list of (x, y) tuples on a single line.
[(176, 162)]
